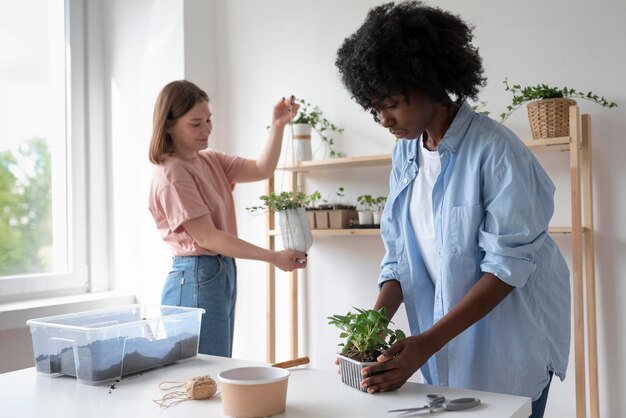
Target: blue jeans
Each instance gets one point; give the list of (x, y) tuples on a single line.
[(539, 406), (208, 282)]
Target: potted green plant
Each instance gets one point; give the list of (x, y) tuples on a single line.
[(292, 219), (341, 216), (548, 107), (378, 213), (311, 207), (366, 216), (311, 117), (366, 335)]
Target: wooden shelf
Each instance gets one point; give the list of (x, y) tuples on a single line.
[(549, 144), (340, 163), (337, 232), (376, 231), (560, 229)]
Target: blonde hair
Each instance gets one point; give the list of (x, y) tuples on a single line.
[(175, 100)]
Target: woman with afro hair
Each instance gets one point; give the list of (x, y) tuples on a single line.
[(465, 227)]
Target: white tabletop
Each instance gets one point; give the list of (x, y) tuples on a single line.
[(311, 393)]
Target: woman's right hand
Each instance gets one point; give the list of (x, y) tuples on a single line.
[(288, 260)]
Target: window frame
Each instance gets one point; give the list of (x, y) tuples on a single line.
[(78, 177)]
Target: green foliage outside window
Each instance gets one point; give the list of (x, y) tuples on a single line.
[(25, 209)]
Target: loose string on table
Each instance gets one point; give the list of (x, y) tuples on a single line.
[(196, 388)]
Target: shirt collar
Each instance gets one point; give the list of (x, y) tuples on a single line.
[(455, 133)]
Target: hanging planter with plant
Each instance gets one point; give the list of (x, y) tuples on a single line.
[(311, 117), (292, 219), (548, 107), (366, 335)]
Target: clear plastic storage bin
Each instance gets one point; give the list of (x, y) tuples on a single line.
[(103, 345)]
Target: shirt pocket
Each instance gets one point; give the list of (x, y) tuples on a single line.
[(463, 226)]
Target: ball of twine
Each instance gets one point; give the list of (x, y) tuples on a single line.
[(201, 387), (196, 388)]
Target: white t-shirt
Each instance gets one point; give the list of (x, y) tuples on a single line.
[(421, 208)]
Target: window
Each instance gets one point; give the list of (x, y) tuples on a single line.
[(42, 205)]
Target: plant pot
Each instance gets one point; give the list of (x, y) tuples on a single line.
[(341, 218), (295, 229), (350, 371), (549, 118), (376, 217), (321, 219), (310, 214), (366, 217), (254, 391), (302, 150)]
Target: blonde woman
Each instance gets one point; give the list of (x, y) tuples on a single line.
[(192, 204)]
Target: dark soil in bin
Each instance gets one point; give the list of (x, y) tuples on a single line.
[(103, 359)]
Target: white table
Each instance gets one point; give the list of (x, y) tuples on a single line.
[(311, 393)]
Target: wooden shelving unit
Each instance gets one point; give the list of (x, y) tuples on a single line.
[(577, 144)]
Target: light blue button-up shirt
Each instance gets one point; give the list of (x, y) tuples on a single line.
[(492, 203)]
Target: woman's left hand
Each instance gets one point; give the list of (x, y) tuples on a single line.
[(397, 364), (285, 110)]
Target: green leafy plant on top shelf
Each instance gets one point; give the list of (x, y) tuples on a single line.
[(312, 115), (523, 94), (276, 202), (366, 333)]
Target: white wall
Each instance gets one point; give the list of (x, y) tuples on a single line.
[(262, 50)]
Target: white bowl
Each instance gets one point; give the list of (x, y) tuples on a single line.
[(253, 391)]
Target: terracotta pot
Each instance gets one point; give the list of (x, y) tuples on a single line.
[(321, 219), (341, 218), (253, 391)]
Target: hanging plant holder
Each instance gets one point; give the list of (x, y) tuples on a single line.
[(295, 229)]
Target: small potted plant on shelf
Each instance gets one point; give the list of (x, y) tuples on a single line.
[(366, 335), (366, 216), (548, 107), (311, 207), (294, 225), (378, 213), (341, 216), (311, 117)]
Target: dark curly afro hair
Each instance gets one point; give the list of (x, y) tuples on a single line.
[(410, 47)]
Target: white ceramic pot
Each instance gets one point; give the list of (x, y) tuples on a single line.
[(302, 150), (366, 217), (295, 229), (376, 217)]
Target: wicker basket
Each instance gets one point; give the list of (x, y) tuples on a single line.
[(549, 118)]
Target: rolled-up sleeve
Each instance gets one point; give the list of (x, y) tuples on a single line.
[(389, 229), (519, 203)]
